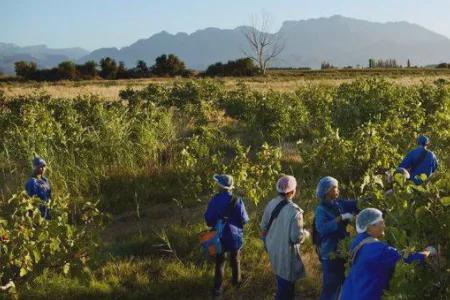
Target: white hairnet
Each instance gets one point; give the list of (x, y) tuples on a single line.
[(366, 217), (286, 184), (324, 186)]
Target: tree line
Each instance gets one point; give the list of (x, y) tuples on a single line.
[(108, 68)]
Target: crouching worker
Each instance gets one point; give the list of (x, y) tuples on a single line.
[(282, 232), (332, 216), (39, 186), (231, 210), (373, 262), (420, 161)]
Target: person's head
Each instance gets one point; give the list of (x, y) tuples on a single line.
[(423, 140), (370, 220), (287, 186), (327, 189), (38, 165), (224, 181)]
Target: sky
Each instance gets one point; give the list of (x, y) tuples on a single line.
[(93, 24)]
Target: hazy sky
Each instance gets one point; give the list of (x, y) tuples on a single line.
[(116, 23)]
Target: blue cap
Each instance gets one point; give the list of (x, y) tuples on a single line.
[(224, 181), (38, 162), (423, 140)]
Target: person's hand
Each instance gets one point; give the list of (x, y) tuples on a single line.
[(431, 251), (347, 216)]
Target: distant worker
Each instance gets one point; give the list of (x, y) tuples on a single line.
[(231, 210), (420, 161), (39, 186), (332, 216), (373, 261), (282, 232)]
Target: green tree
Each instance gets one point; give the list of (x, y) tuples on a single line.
[(88, 70), (67, 70), (122, 72), (169, 65), (108, 68), (141, 69), (239, 67), (326, 65), (25, 69)]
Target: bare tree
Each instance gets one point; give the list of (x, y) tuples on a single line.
[(264, 46)]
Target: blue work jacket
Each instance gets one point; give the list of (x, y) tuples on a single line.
[(427, 166), (372, 269), (329, 230), (39, 187), (233, 231)]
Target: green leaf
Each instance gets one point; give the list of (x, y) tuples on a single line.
[(405, 204), (399, 179), (66, 268), (37, 255), (423, 177), (445, 201), (420, 212), (23, 272)]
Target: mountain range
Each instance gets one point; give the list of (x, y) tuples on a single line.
[(45, 57), (338, 40)]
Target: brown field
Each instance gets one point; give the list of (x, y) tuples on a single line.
[(285, 80)]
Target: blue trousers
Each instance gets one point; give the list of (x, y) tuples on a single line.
[(45, 212), (285, 289), (333, 275)]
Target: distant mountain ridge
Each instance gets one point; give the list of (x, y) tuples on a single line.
[(45, 57), (339, 40)]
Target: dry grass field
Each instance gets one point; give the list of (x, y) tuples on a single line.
[(276, 80)]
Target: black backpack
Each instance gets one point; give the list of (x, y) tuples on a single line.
[(315, 237), (419, 161)]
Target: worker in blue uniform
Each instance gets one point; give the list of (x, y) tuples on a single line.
[(39, 186), (420, 161), (332, 216), (231, 210), (373, 262)]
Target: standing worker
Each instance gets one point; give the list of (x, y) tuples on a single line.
[(231, 210), (420, 161), (39, 186), (282, 232), (332, 216), (373, 262)]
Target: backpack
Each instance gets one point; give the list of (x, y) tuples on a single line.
[(315, 237), (209, 240), (419, 160)]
